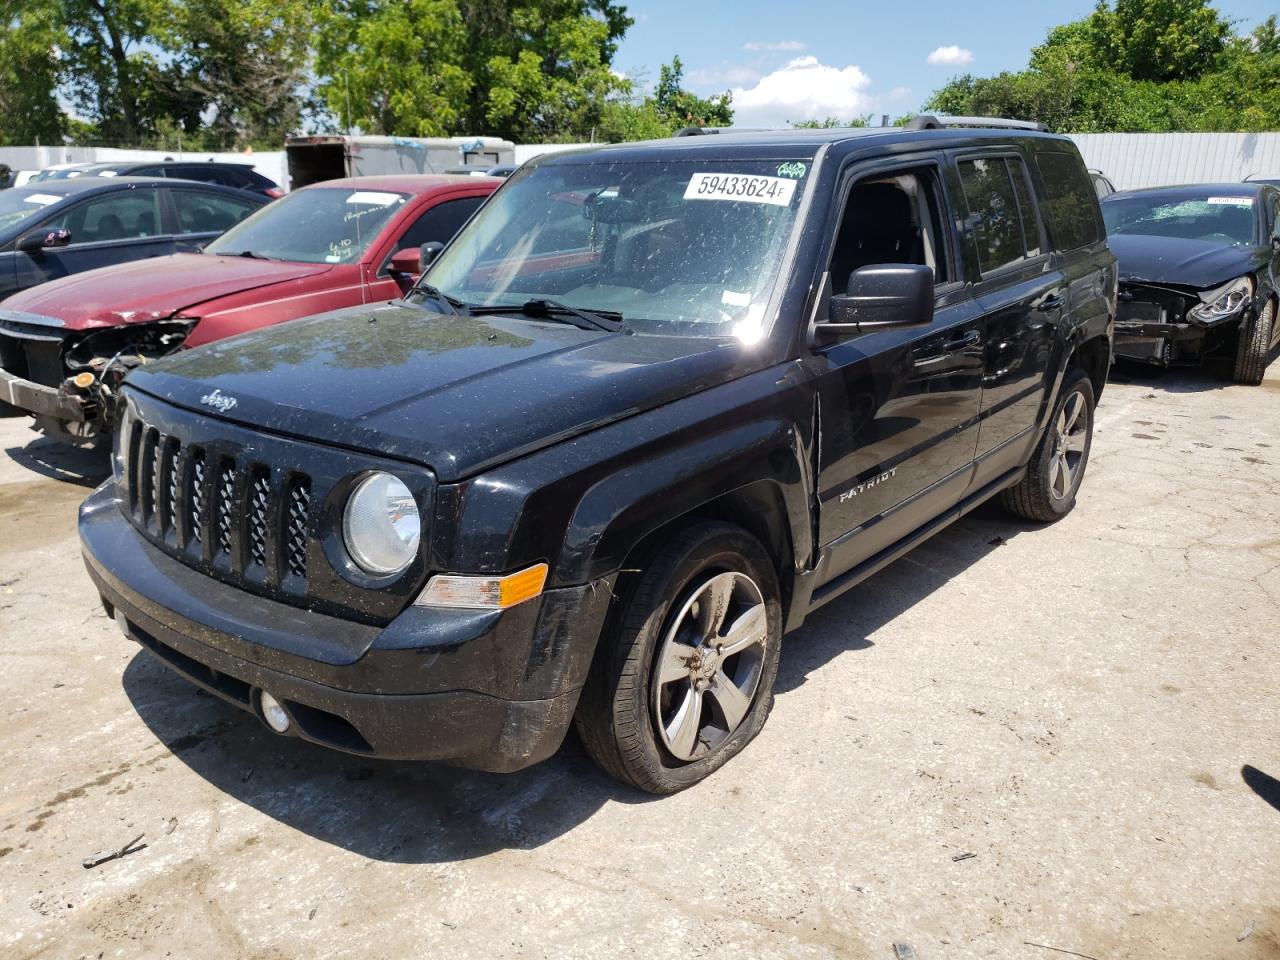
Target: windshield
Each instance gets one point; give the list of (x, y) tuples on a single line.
[(1217, 218), (19, 205), (689, 248), (315, 225)]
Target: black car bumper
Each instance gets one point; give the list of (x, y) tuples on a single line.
[(489, 690)]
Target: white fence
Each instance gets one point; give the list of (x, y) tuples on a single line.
[(1130, 159), (1133, 160)]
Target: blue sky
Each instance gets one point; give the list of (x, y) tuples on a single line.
[(809, 59)]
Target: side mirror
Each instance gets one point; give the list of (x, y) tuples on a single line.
[(43, 240), (427, 254), (884, 295), (405, 261)]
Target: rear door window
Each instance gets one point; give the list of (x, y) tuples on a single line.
[(1071, 202), (122, 215), (1001, 220), (200, 212)]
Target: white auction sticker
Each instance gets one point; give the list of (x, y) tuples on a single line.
[(374, 198), (1233, 201), (742, 187), (44, 199)]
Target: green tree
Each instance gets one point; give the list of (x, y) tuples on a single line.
[(1144, 65), (554, 86), (238, 62), (29, 75), (524, 69), (107, 65), (668, 109), (683, 109), (394, 66), (1158, 39)]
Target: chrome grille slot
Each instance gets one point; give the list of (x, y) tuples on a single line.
[(225, 505), (135, 441), (259, 492), (197, 498), (295, 541), (147, 475), (168, 484)]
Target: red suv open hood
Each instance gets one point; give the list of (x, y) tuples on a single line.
[(152, 289)]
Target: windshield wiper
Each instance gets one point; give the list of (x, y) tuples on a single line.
[(247, 254), (452, 304), (609, 321)]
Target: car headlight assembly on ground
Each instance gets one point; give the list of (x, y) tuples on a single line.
[(1223, 302), (381, 525)]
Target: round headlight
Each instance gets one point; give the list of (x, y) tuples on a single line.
[(381, 525)]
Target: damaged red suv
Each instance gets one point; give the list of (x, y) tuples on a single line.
[(66, 345)]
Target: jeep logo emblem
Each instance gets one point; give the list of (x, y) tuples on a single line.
[(219, 401)]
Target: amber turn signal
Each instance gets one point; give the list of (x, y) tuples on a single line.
[(484, 593)]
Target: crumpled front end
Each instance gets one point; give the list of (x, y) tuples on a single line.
[(69, 380), (1167, 325)]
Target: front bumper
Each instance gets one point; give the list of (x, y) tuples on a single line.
[(484, 689), (1140, 337), (35, 398)]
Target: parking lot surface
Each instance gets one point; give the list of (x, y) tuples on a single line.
[(1015, 741)]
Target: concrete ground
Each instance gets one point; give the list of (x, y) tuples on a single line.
[(1016, 742)]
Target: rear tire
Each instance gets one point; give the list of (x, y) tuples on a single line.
[(683, 678), (1048, 490), (1252, 350)]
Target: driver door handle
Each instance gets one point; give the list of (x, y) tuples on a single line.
[(962, 341)]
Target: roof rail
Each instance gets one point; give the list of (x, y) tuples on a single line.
[(927, 121)]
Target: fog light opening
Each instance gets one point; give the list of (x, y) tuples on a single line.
[(273, 712)]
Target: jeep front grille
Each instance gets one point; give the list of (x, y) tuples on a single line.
[(258, 525), (253, 509)]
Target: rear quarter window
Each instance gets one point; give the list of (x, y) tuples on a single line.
[(1070, 200)]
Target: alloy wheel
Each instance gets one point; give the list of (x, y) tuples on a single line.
[(1070, 440), (709, 664)]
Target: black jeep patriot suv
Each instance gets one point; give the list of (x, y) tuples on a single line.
[(652, 406)]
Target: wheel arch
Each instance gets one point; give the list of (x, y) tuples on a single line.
[(755, 474), (1093, 356), (759, 508)]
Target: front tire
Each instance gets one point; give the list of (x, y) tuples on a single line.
[(1047, 492), (684, 678), (1251, 351)]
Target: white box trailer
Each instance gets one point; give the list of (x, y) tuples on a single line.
[(330, 156)]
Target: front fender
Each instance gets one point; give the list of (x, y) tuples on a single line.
[(581, 505), (620, 510)]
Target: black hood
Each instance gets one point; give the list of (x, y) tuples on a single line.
[(457, 394), (1199, 264)]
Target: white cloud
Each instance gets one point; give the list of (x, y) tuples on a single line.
[(951, 56), (897, 93), (774, 45), (804, 89), (725, 75)]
